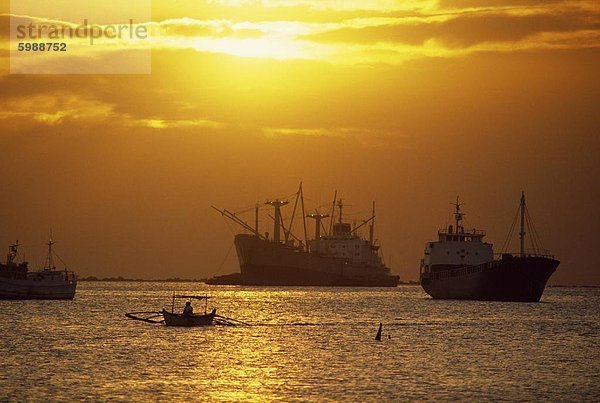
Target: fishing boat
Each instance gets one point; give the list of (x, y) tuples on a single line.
[(460, 265), (187, 318), (337, 255), (17, 282)]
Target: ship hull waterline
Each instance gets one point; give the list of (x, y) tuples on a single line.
[(12, 289), (515, 279)]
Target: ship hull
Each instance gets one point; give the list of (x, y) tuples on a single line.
[(512, 278), (268, 263), (11, 289)]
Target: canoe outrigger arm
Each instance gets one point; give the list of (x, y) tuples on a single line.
[(187, 320)]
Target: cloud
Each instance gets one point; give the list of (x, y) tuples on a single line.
[(503, 3), (188, 27), (367, 137), (315, 11), (56, 109), (463, 30), (387, 33), (65, 108), (159, 123)]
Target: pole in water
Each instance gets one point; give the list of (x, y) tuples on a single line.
[(378, 337)]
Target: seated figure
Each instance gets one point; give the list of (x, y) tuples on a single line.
[(188, 310)]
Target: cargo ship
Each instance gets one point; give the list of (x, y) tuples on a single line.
[(17, 282), (339, 256), (460, 265)]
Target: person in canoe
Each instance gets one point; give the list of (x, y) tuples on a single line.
[(188, 310)]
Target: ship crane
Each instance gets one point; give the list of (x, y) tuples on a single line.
[(317, 217)]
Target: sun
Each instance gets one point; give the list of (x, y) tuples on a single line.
[(267, 47)]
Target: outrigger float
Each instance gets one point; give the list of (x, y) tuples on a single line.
[(185, 319)]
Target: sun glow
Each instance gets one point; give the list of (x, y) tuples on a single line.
[(266, 47), (267, 40)]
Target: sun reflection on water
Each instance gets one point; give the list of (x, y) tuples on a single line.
[(306, 344)]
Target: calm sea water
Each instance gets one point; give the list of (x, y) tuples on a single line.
[(308, 344)]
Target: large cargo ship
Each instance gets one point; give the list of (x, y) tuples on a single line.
[(460, 265), (339, 257), (17, 282)]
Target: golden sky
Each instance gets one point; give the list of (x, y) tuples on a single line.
[(406, 102)]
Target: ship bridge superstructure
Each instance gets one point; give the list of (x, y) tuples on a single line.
[(456, 246), (344, 242)]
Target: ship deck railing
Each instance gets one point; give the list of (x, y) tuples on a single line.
[(528, 253), (472, 232), (440, 275)]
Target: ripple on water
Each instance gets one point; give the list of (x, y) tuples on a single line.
[(308, 344)]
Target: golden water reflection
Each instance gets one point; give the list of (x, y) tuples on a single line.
[(306, 344)]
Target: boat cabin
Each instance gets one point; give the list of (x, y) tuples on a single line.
[(456, 247)]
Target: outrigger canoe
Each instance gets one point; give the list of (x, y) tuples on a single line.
[(189, 319), (183, 319)]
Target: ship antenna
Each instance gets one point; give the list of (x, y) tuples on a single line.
[(522, 233), (340, 206)]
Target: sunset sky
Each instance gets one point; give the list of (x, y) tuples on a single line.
[(408, 103)]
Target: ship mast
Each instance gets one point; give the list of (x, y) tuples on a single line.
[(277, 204), (50, 259), (458, 216), (12, 252), (256, 219), (522, 233), (332, 213), (372, 226), (237, 220), (304, 218)]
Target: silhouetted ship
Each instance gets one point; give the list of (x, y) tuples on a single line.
[(461, 266), (17, 282), (341, 257)]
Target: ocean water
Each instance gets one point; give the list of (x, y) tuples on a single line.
[(306, 344)]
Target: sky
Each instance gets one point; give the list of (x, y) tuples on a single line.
[(407, 103)]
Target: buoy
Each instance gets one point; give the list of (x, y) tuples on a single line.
[(378, 337)]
